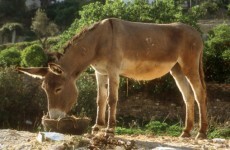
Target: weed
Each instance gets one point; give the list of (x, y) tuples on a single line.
[(129, 131), (157, 127), (174, 130), (220, 133)]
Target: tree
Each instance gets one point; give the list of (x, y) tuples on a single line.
[(43, 28), (11, 28), (12, 9), (161, 11)]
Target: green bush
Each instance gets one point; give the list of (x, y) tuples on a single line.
[(220, 133), (174, 130), (156, 127), (33, 56), (153, 127), (10, 56), (19, 46), (164, 11), (217, 54), (210, 7), (66, 10), (86, 104), (129, 131), (21, 100)]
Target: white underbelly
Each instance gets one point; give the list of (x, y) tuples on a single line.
[(145, 70), (138, 70)]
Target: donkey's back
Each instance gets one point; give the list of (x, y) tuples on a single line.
[(145, 51)]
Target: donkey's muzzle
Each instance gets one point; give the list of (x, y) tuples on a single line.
[(56, 114)]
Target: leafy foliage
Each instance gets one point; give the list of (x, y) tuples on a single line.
[(33, 56), (164, 11), (11, 26), (174, 130), (220, 133), (43, 27), (153, 127), (10, 56), (210, 6), (86, 103), (13, 8), (129, 131), (156, 127), (18, 101), (217, 51), (65, 12)]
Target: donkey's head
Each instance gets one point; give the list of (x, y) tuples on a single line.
[(60, 88)]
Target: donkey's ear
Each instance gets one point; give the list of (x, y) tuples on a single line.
[(54, 56), (36, 72), (55, 68)]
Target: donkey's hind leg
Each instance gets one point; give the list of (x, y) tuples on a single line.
[(188, 97), (195, 80)]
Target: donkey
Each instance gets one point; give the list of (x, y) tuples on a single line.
[(142, 51)]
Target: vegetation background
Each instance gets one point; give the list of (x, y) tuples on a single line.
[(29, 36)]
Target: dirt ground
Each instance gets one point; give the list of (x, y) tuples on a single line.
[(23, 140)]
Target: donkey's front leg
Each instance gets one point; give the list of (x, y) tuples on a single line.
[(112, 102), (102, 83)]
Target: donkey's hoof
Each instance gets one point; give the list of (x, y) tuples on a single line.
[(96, 128), (185, 135), (110, 132), (201, 136)]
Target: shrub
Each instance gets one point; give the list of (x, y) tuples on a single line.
[(21, 100), (33, 56), (86, 103), (157, 127), (174, 130), (220, 133), (19, 46), (10, 56), (129, 131), (66, 10), (216, 52), (210, 7), (164, 11)]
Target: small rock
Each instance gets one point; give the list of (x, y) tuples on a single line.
[(119, 148), (121, 142), (59, 147), (164, 148), (204, 147), (41, 137), (218, 140)]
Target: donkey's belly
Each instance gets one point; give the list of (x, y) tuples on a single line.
[(145, 70)]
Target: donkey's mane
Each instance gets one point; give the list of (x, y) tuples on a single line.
[(78, 36)]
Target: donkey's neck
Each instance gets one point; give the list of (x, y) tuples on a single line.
[(81, 52), (74, 62)]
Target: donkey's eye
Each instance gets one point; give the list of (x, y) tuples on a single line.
[(58, 90)]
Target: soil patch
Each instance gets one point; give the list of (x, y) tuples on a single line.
[(12, 139)]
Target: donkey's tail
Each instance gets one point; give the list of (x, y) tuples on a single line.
[(201, 71)]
